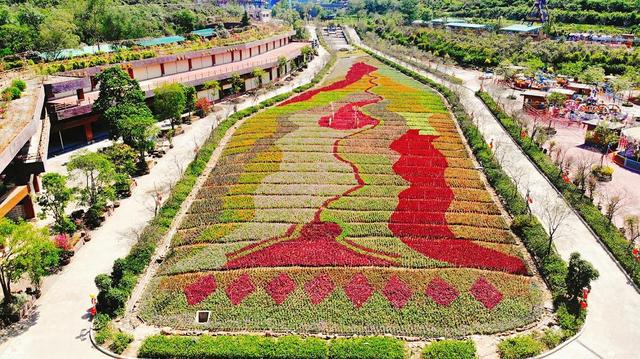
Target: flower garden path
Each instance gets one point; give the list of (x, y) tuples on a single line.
[(612, 324)]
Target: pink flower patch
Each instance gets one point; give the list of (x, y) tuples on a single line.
[(358, 290), (397, 292), (486, 293), (319, 288), (280, 287), (197, 291), (240, 288), (442, 292)]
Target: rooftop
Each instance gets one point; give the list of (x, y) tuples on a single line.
[(204, 32), (160, 41), (447, 20), (86, 50), (521, 28), (465, 25)]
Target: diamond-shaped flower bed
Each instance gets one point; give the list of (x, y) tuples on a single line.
[(280, 287), (319, 288), (442, 292), (197, 291), (240, 289), (397, 292), (486, 293), (358, 290)]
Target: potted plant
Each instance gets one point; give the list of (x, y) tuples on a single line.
[(602, 173)]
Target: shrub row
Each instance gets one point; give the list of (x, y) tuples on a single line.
[(251, 346), (14, 91), (450, 349), (609, 234), (552, 267)]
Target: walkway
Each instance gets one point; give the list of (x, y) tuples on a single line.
[(59, 327), (613, 323)]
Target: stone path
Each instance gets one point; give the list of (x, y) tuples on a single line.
[(613, 323), (59, 326)]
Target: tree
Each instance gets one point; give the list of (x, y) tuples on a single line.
[(306, 52), (57, 33), (592, 75), (236, 83), (621, 84), (282, 63), (140, 133), (54, 201), (409, 8), (579, 275), (185, 20), (123, 157), (191, 96), (553, 216), (117, 89), (98, 174), (114, 116), (259, 74), (556, 99), (25, 250), (245, 19), (168, 103), (613, 203), (212, 85), (632, 229)]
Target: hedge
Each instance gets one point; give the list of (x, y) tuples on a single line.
[(252, 346), (450, 349), (608, 233), (520, 347)]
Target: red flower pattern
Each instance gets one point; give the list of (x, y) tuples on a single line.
[(197, 291)]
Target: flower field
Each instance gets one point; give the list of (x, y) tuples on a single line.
[(351, 208)]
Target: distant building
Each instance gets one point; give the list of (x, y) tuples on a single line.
[(522, 29)]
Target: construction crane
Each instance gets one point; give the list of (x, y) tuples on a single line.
[(539, 12)]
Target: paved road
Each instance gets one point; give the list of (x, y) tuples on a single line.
[(58, 329), (613, 324)]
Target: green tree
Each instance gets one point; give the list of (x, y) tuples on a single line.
[(140, 133), (185, 20), (245, 19), (57, 33), (306, 52), (191, 96), (557, 99), (592, 75), (259, 74), (119, 96), (114, 116), (622, 84), (579, 275), (54, 201), (25, 250), (237, 83), (123, 157), (409, 9), (168, 103), (98, 174)]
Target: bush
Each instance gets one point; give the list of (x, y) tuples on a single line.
[(520, 347), (120, 342), (11, 93), (19, 84), (242, 346), (368, 347), (450, 349)]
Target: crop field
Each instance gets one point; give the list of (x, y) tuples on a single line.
[(352, 208)]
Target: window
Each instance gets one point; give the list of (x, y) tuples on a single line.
[(203, 316)]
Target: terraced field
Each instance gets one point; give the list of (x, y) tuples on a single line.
[(351, 208)]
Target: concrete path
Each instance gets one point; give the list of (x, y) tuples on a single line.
[(613, 324), (59, 326)]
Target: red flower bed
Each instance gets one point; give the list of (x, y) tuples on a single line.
[(397, 292), (419, 219), (356, 72), (319, 288), (358, 290), (486, 293), (442, 292), (197, 291), (280, 287), (240, 289), (349, 117), (315, 246)]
